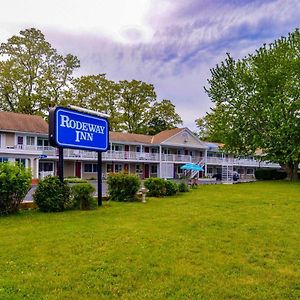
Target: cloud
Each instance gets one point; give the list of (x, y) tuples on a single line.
[(174, 43)]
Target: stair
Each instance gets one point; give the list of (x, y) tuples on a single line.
[(227, 173), (200, 163)]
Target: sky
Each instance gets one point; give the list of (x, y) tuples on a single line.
[(172, 44)]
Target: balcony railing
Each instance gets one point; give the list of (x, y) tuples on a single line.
[(137, 156)]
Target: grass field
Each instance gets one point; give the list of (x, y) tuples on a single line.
[(217, 242)]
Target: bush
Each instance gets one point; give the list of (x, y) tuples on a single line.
[(51, 195), (171, 187), (156, 187), (269, 174), (15, 181), (183, 187), (82, 196), (123, 187)]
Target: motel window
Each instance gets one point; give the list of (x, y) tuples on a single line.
[(138, 169), (20, 140), (250, 171), (154, 169), (42, 142), (46, 166), (21, 161), (138, 149), (118, 168), (90, 168), (109, 168), (117, 147), (30, 140), (0, 140), (154, 150), (3, 159)]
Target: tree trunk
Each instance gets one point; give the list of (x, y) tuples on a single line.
[(291, 169)]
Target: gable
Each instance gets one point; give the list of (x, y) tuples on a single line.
[(184, 138)]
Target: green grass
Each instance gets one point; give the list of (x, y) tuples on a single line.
[(217, 242)]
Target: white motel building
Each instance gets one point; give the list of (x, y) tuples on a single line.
[(24, 139)]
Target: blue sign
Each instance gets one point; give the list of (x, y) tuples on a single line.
[(43, 156), (74, 129)]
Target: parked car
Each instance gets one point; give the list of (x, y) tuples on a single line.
[(218, 176), (235, 176)]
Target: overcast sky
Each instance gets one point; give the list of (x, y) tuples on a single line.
[(170, 43)]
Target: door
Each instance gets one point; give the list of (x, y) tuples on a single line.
[(146, 171), (126, 151), (78, 169)]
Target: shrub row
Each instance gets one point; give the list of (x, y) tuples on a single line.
[(158, 187), (52, 195), (269, 174)]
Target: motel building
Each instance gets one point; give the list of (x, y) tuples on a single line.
[(24, 139)]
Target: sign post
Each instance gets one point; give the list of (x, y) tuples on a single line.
[(75, 129)]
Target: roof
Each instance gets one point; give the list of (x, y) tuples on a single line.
[(164, 135), (130, 137), (23, 123)]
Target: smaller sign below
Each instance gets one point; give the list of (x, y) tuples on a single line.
[(74, 129), (43, 156)]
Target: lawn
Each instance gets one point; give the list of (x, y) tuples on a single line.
[(217, 242)]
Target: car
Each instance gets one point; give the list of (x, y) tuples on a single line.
[(218, 176)]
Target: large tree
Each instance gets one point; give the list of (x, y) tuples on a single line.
[(162, 116), (33, 75), (136, 99), (257, 103), (98, 93)]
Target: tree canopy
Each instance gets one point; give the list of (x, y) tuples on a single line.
[(257, 103), (33, 75)]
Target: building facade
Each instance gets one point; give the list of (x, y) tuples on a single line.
[(24, 139)]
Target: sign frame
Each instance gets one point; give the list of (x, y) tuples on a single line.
[(55, 139)]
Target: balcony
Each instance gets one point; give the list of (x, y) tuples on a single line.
[(241, 162)]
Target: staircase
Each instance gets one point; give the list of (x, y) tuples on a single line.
[(227, 173)]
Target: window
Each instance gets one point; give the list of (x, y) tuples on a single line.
[(21, 161), (42, 142), (250, 171), (154, 169), (0, 141), (46, 166), (138, 169), (118, 168), (90, 168), (109, 168), (117, 147), (20, 140), (3, 159), (138, 149), (30, 140)]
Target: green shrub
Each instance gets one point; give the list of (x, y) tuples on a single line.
[(171, 187), (156, 187), (269, 174), (75, 180), (82, 196), (123, 187), (51, 195), (15, 181), (183, 187)]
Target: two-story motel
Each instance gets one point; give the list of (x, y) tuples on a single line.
[(24, 139)]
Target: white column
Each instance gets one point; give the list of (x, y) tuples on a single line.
[(205, 162), (160, 166), (36, 175)]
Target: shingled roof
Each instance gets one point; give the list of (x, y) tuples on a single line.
[(10, 121), (130, 137)]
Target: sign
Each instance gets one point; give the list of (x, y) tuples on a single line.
[(43, 156), (73, 129)]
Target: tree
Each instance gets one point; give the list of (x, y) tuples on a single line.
[(33, 75), (136, 98), (205, 132), (98, 93), (163, 116), (257, 103)]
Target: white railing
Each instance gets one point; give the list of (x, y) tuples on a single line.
[(44, 174), (180, 158), (240, 162)]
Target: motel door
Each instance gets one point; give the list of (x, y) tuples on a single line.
[(146, 171), (78, 169), (126, 151)]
